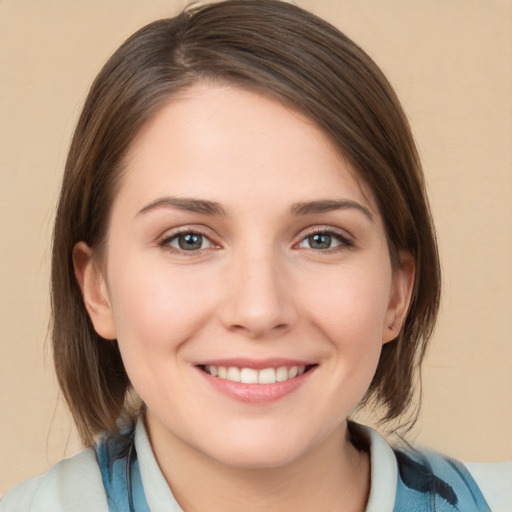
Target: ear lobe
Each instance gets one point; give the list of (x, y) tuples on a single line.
[(400, 297), (94, 291)]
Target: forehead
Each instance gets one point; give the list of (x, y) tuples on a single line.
[(234, 142)]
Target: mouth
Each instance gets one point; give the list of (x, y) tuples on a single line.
[(245, 375)]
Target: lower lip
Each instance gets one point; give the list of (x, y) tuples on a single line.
[(257, 393)]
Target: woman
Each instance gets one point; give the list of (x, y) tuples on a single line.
[(243, 253)]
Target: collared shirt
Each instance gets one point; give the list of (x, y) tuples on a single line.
[(76, 484)]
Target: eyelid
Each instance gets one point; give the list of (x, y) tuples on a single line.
[(347, 241), (169, 235)]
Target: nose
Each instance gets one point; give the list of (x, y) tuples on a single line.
[(259, 299)]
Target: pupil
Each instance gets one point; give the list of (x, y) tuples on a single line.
[(320, 241), (190, 242)]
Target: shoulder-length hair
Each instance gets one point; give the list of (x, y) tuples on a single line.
[(278, 49)]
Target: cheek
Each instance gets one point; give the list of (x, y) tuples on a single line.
[(154, 316), (350, 313), (351, 307), (154, 311)]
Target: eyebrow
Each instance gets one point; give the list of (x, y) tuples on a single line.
[(329, 205), (187, 204), (206, 207)]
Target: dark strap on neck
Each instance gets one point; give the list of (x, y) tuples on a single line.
[(117, 459)]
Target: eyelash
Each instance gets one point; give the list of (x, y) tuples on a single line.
[(344, 242), (166, 241)]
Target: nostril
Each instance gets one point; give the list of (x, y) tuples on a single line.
[(257, 312)]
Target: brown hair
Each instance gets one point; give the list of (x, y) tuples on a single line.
[(278, 49)]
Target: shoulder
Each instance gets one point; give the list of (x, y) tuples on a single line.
[(434, 478), (72, 484), (495, 482), (405, 479)]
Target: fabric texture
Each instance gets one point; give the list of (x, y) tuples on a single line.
[(432, 482), (122, 475), (73, 484)]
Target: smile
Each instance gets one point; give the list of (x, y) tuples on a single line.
[(254, 376), (257, 382)]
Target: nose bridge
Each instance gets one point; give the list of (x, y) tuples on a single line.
[(258, 302)]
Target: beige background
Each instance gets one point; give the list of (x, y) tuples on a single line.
[(451, 63)]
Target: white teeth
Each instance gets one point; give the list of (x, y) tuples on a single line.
[(249, 376), (252, 376), (282, 374), (233, 374), (267, 376)]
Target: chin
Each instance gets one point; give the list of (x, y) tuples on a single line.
[(257, 459), (259, 452)]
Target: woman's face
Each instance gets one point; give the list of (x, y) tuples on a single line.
[(240, 248)]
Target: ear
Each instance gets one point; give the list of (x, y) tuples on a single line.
[(400, 297), (94, 291)]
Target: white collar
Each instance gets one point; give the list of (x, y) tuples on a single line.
[(382, 460), (384, 471), (156, 489)]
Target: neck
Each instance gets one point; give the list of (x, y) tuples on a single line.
[(332, 473)]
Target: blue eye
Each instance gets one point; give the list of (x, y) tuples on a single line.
[(188, 241), (324, 240)]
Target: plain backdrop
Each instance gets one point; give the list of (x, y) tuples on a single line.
[(451, 64)]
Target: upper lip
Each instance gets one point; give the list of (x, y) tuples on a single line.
[(256, 364)]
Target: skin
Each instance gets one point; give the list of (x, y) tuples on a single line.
[(258, 288)]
